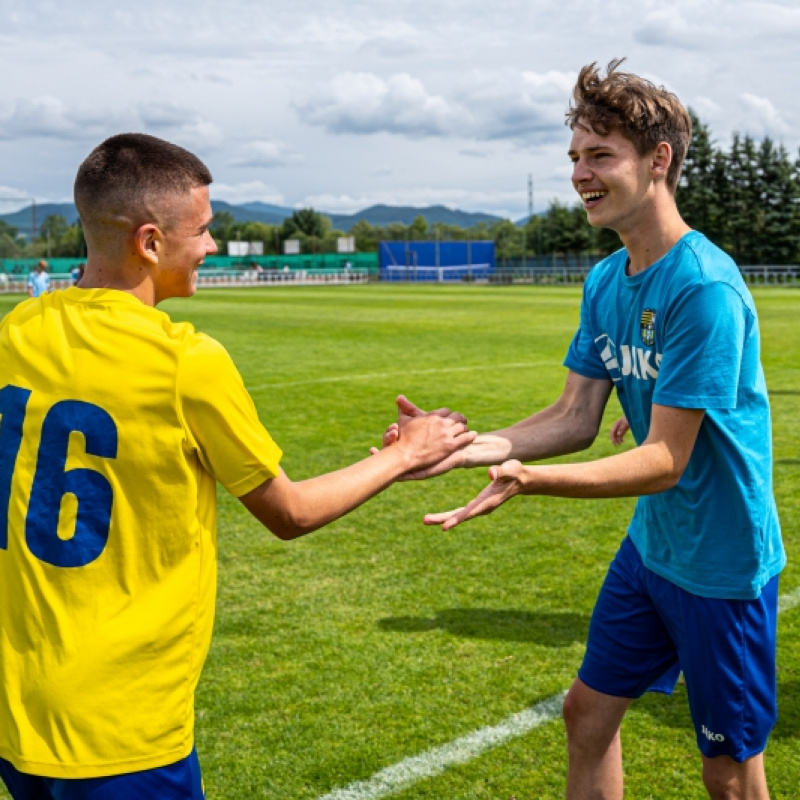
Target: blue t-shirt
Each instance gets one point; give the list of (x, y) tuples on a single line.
[(39, 283), (684, 333)]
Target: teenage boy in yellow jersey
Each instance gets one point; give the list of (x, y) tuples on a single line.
[(112, 439)]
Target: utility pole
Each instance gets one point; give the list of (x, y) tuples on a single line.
[(530, 202)]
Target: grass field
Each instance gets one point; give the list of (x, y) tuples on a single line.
[(343, 653)]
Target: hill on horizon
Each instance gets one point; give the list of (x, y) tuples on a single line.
[(378, 215)]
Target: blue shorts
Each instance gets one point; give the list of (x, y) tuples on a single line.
[(645, 629), (178, 781)]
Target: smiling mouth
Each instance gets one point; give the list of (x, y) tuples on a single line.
[(589, 197)]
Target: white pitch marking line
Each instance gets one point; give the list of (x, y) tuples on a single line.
[(434, 762), (405, 373)]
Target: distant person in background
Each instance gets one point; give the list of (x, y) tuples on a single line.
[(77, 274), (39, 281)]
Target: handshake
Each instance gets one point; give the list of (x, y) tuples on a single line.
[(438, 441)]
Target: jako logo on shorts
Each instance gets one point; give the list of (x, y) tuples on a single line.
[(712, 737)]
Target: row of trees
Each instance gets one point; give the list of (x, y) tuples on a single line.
[(745, 199)]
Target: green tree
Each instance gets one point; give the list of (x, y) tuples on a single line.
[(366, 236), (418, 229), (305, 221), (10, 243), (696, 196), (778, 241)]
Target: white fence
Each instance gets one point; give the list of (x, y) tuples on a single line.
[(220, 279)]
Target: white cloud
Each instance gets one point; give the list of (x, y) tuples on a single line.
[(180, 124), (163, 114), (266, 154), (518, 106), (200, 135), (48, 117), (360, 102), (246, 192), (669, 28), (12, 199), (761, 118), (484, 105)]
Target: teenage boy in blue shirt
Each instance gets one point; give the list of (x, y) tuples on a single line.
[(668, 322)]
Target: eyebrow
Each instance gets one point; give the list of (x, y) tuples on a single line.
[(590, 149)]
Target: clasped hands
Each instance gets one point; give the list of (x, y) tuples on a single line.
[(506, 479)]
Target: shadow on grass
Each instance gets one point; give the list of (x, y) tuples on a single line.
[(550, 629), (787, 392)]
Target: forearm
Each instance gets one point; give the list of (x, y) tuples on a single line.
[(643, 470), (291, 509), (552, 432)]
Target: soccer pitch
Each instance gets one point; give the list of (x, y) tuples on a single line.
[(376, 640)]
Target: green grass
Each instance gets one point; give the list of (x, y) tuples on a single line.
[(342, 653)]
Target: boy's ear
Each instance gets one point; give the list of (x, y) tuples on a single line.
[(662, 158), (147, 241)]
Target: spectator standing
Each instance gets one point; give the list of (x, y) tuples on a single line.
[(39, 281)]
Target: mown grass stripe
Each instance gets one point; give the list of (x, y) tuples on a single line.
[(433, 762)]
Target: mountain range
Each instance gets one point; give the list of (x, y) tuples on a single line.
[(275, 215)]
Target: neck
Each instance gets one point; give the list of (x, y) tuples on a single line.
[(108, 273), (652, 238)]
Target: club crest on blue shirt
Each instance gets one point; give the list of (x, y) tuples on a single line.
[(647, 327)]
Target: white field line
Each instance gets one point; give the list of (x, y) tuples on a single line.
[(433, 762), (403, 374)]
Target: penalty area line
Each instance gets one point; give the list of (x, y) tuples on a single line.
[(434, 762), (403, 374)]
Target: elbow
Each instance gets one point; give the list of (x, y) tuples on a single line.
[(668, 478), (289, 526), (585, 435)]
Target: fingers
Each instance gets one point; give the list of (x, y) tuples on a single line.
[(407, 408), (504, 485), (391, 434), (618, 431), (440, 517)]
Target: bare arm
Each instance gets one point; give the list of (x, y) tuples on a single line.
[(568, 425), (291, 509), (653, 467)]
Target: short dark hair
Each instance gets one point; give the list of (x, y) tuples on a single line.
[(642, 112), (124, 177)]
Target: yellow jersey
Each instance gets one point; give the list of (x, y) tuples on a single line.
[(115, 424)]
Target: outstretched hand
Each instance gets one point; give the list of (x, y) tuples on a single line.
[(407, 411), (506, 481)]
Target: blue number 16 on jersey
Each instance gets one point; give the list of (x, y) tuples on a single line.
[(51, 481)]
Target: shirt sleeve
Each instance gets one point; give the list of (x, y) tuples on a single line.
[(704, 339), (221, 419), (583, 355)]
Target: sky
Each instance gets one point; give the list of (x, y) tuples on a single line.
[(340, 105)]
